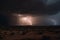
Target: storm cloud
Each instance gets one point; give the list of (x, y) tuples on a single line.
[(36, 6)]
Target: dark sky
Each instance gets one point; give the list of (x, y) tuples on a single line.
[(57, 16), (33, 5), (52, 7)]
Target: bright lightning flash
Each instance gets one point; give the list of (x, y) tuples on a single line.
[(26, 20)]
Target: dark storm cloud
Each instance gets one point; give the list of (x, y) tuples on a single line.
[(49, 2), (31, 5), (54, 7)]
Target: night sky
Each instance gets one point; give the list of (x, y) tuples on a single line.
[(32, 5), (57, 16), (45, 7)]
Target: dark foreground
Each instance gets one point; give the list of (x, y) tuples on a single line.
[(29, 33)]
